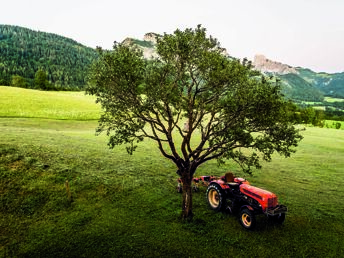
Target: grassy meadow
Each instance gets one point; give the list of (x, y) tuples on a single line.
[(127, 206), (330, 99), (19, 102)]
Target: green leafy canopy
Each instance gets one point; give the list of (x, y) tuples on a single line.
[(228, 106)]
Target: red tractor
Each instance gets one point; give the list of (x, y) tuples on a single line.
[(238, 196)]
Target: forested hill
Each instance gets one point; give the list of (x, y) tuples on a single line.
[(24, 52)]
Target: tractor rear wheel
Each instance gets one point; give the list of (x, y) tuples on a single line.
[(247, 219), (215, 197)]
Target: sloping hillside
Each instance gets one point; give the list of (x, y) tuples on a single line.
[(23, 52), (298, 89), (330, 84), (302, 83)]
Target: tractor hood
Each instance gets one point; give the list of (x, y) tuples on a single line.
[(265, 198)]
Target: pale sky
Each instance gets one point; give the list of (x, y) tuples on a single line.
[(307, 33)]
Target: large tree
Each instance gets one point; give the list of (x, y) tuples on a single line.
[(232, 111)]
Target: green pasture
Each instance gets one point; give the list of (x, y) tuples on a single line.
[(323, 108), (19, 102), (320, 104), (333, 124), (127, 206), (330, 99)]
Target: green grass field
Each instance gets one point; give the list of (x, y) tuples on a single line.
[(329, 99), (127, 206), (19, 102)]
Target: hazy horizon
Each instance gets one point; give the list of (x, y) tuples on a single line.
[(301, 33)]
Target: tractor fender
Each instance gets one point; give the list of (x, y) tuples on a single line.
[(221, 184), (247, 207)]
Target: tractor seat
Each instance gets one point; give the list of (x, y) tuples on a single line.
[(229, 177)]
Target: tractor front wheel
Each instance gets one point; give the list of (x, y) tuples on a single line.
[(247, 219)]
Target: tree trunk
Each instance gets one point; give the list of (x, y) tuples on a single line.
[(187, 196)]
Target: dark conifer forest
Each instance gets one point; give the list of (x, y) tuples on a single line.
[(25, 54)]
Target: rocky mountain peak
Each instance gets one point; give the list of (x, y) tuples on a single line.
[(128, 41), (151, 37), (147, 45), (261, 63)]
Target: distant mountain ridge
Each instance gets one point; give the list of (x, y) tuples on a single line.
[(297, 83), (263, 64), (23, 51), (147, 45), (302, 83)]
